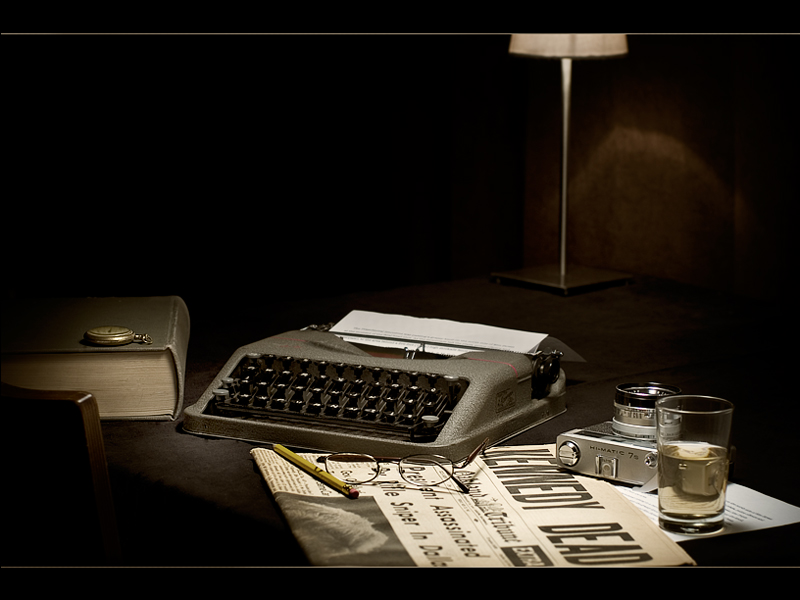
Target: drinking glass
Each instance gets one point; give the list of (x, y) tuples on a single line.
[(693, 436)]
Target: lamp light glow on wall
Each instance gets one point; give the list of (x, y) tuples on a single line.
[(566, 48)]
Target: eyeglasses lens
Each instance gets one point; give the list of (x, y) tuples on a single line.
[(426, 469), (352, 468)]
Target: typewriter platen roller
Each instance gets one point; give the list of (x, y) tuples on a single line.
[(311, 389)]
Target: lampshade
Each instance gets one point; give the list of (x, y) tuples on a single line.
[(568, 45)]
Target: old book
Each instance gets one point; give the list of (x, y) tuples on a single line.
[(43, 347)]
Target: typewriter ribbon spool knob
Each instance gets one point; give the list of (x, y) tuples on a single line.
[(545, 370)]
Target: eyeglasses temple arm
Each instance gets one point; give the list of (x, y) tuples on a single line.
[(468, 460), (473, 455), (460, 485)]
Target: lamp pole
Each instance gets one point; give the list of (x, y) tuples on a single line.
[(566, 83)]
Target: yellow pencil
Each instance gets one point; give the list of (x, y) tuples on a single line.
[(314, 470)]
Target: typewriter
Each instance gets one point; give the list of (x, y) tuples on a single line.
[(311, 389)]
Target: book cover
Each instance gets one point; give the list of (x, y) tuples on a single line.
[(43, 347)]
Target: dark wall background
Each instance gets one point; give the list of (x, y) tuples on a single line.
[(226, 168), (682, 161)]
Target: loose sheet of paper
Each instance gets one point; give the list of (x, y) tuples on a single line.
[(745, 510), (438, 336)]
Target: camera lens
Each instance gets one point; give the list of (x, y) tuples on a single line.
[(635, 408)]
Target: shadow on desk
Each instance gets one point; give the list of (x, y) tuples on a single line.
[(183, 500)]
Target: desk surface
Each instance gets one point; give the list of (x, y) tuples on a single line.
[(185, 500)]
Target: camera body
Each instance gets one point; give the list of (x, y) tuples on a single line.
[(598, 451), (621, 450)]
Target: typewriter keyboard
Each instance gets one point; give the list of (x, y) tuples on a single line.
[(388, 403)]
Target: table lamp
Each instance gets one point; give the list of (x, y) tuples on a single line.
[(565, 47)]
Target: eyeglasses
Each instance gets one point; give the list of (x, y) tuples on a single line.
[(418, 469)]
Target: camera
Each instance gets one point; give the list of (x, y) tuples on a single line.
[(623, 449)]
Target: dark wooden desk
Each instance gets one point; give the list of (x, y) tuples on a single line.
[(186, 500)]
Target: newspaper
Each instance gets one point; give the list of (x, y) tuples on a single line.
[(522, 510)]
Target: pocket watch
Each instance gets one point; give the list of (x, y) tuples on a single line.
[(115, 335)]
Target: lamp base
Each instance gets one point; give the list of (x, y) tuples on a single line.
[(577, 280)]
